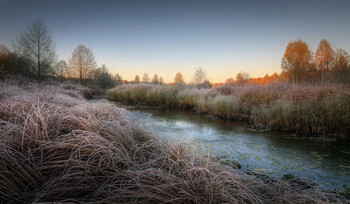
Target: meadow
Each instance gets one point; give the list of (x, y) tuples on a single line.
[(57, 146), (321, 110)]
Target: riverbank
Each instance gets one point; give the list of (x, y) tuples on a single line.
[(56, 146), (312, 110)]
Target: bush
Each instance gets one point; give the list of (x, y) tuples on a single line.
[(97, 91)]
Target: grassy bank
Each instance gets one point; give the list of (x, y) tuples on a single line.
[(56, 146), (317, 110)]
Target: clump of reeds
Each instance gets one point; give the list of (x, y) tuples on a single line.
[(227, 106), (318, 110), (321, 110)]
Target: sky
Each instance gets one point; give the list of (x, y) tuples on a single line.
[(165, 37)]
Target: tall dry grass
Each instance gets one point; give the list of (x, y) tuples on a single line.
[(56, 146), (318, 110)]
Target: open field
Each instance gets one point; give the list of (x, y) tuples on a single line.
[(316, 110), (56, 146)]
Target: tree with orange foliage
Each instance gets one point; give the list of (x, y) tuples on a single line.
[(341, 69), (266, 80), (179, 78), (242, 78), (137, 79), (341, 60), (230, 81), (324, 57), (274, 78), (296, 60)]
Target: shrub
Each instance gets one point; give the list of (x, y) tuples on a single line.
[(97, 91)]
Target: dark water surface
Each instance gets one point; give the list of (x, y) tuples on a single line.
[(261, 151)]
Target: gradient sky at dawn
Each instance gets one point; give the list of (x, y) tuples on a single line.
[(165, 37)]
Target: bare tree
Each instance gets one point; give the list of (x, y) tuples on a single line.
[(296, 60), (82, 63), (155, 79), (199, 76), (36, 46), (179, 78), (60, 69), (4, 50), (161, 80), (145, 78)]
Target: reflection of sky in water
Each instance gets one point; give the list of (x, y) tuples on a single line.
[(265, 152)]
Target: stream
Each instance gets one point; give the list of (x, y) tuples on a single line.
[(271, 153)]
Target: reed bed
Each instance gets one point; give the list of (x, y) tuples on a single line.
[(315, 110), (57, 147)]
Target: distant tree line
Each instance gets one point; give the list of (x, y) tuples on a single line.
[(300, 65), (199, 79), (35, 56), (146, 79)]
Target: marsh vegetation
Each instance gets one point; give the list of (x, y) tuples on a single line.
[(56, 146), (313, 110)]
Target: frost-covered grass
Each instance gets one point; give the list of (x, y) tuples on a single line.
[(57, 147), (319, 110)]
